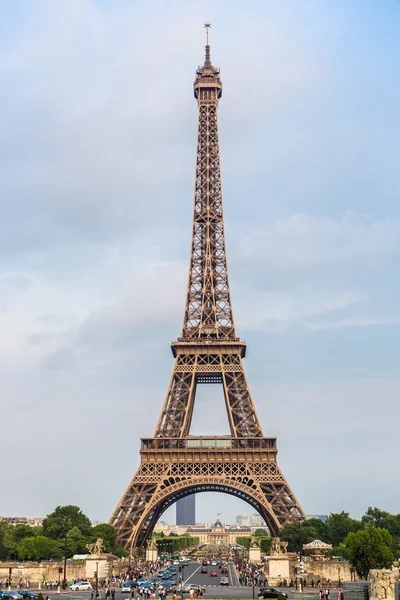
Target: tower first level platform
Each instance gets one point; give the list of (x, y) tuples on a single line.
[(172, 468)]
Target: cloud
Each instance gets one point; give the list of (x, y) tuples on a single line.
[(97, 150), (307, 245), (352, 322)]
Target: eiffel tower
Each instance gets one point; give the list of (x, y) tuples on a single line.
[(175, 464)]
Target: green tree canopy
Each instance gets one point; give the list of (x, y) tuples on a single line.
[(13, 534), (107, 533), (57, 524), (3, 547), (261, 532), (297, 534), (38, 547), (369, 549), (321, 529), (339, 525), (76, 542)]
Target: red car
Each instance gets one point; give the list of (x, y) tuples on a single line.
[(213, 574)]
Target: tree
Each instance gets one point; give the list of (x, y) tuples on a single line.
[(321, 529), (120, 552), (13, 534), (297, 534), (369, 549), (38, 547), (261, 532), (3, 547), (76, 542), (339, 525), (107, 533), (57, 524), (382, 519)]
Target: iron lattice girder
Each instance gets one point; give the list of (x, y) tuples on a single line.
[(208, 367), (208, 313), (245, 467)]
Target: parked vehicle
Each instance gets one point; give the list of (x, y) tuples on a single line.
[(270, 592), (28, 594), (10, 595), (81, 586), (127, 586), (186, 589)]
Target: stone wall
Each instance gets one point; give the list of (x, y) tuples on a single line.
[(328, 570), (38, 572)]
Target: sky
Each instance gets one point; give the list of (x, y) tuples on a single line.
[(97, 156)]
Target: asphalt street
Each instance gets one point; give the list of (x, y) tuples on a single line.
[(192, 575)]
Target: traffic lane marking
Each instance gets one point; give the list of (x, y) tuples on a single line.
[(194, 572)]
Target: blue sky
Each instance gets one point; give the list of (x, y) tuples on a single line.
[(97, 151)]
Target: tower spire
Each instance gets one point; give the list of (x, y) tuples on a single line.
[(207, 62)]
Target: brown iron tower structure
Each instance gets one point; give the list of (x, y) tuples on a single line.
[(208, 351)]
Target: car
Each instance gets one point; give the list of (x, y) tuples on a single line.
[(270, 592), (214, 563), (224, 581), (176, 563), (147, 585), (186, 589), (172, 569), (224, 570), (80, 586), (170, 587), (160, 573), (185, 563), (213, 574), (203, 570), (127, 586), (28, 594), (166, 576), (10, 595)]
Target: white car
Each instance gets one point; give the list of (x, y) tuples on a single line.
[(80, 585), (176, 563), (214, 563)]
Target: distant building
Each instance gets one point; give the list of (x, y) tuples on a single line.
[(218, 534), (322, 518), (186, 510), (257, 521), (242, 520), (32, 522)]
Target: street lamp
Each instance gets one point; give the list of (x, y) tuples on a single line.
[(66, 525)]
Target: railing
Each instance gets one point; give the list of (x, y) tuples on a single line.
[(208, 340), (218, 443)]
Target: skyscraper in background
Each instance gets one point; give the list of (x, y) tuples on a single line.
[(186, 510)]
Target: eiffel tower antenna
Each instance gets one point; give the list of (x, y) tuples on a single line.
[(175, 464)]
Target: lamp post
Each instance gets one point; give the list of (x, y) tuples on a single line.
[(66, 523), (300, 577), (64, 583), (97, 579)]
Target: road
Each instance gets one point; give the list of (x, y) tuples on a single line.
[(192, 575)]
